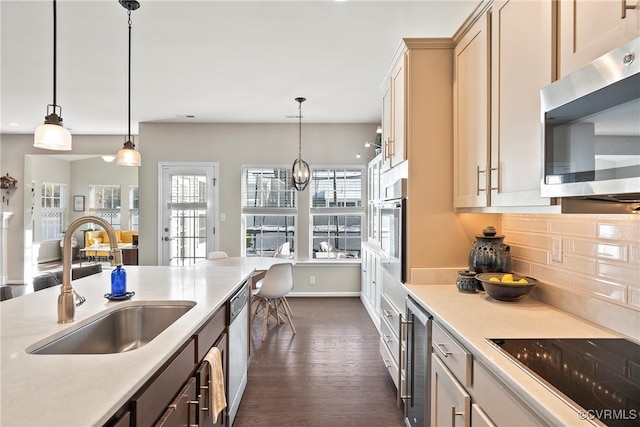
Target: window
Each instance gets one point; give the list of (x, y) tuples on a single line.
[(133, 207), (104, 202), (268, 211), (337, 212), (53, 206)]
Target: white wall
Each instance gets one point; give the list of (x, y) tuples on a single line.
[(233, 145)]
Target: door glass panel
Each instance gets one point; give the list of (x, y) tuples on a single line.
[(187, 219)]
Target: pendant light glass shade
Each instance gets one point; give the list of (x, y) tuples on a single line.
[(52, 135), (128, 155), (300, 171)]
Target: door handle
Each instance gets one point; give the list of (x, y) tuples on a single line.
[(166, 239)]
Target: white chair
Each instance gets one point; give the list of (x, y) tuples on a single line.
[(217, 255), (283, 251), (269, 295)]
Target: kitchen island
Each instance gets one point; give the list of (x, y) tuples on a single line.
[(87, 390), (472, 319)]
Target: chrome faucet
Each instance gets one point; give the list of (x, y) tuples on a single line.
[(66, 299)]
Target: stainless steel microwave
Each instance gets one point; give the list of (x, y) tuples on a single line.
[(591, 129)]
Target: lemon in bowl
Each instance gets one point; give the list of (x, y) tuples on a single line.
[(506, 286)]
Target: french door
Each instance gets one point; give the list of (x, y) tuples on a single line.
[(188, 212)]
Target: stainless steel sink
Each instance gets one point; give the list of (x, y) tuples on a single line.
[(125, 329)]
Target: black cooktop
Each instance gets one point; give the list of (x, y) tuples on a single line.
[(599, 377)]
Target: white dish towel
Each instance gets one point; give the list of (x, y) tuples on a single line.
[(217, 400)]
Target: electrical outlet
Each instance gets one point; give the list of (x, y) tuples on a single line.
[(556, 249), (223, 217), (312, 280)]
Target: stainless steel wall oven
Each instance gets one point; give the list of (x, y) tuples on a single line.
[(393, 231)]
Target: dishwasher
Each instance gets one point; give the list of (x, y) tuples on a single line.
[(238, 349)]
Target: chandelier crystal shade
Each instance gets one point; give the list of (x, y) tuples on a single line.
[(52, 135), (300, 172), (128, 155)]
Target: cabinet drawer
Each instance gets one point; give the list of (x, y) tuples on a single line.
[(156, 397), (479, 418), (498, 402), (203, 388), (181, 412), (388, 335), (452, 354), (390, 314), (391, 364), (210, 332)]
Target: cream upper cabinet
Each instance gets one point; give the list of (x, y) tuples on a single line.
[(393, 118), (471, 116), (521, 64), (591, 28)]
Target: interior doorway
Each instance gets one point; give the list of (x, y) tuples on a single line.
[(188, 212)]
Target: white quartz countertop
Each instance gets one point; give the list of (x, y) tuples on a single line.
[(472, 318), (86, 390)]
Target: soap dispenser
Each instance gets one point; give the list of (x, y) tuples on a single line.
[(118, 282)]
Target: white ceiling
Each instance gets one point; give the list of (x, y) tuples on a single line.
[(221, 61)]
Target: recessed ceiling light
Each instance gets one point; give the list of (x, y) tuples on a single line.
[(190, 116), (13, 124)]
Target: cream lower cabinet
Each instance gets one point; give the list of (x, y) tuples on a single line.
[(591, 28), (501, 62), (465, 393), (450, 402), (371, 282)]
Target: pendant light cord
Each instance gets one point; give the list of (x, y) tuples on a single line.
[(55, 20), (129, 80), (299, 130)]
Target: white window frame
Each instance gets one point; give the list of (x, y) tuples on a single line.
[(108, 214), (357, 211), (134, 203), (50, 232), (272, 211)]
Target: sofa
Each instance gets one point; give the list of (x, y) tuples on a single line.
[(101, 237)]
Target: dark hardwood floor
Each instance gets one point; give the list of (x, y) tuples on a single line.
[(329, 374)]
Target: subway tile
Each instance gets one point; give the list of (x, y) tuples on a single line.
[(581, 265), (572, 228), (611, 251), (520, 239), (625, 231), (521, 267), (602, 288), (634, 254), (619, 272), (634, 298), (522, 223), (550, 274), (529, 254), (541, 242)]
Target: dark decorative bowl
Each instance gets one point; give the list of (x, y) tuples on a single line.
[(505, 291)]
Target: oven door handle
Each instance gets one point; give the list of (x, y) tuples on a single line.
[(403, 327)]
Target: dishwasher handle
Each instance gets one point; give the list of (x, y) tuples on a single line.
[(238, 301)]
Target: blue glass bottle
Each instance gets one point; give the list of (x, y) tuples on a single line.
[(118, 282)]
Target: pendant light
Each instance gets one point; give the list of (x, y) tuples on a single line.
[(52, 135), (300, 172), (128, 155)]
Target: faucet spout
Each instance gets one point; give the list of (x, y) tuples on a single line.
[(66, 300)]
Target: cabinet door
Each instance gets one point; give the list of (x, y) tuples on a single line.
[(398, 140), (591, 28), (471, 116), (521, 58), (450, 403), (386, 126), (479, 418), (181, 412)]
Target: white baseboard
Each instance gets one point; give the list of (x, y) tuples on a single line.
[(323, 294)]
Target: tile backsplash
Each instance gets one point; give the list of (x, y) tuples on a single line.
[(597, 266)]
